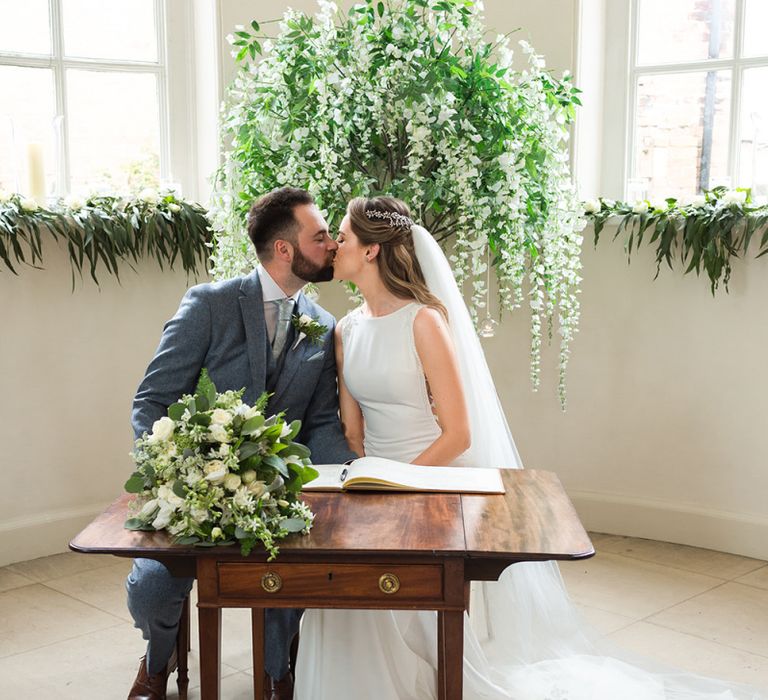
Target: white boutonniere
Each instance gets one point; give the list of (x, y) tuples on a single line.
[(308, 327)]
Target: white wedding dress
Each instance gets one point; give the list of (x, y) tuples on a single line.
[(524, 638)]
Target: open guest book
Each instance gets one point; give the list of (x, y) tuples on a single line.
[(379, 474)]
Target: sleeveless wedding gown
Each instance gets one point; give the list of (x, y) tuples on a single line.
[(512, 647)]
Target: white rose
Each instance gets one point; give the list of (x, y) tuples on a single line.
[(29, 204), (730, 197), (199, 515), (174, 208), (640, 207), (304, 319), (217, 534), (592, 206), (659, 205), (148, 508), (73, 202), (698, 201), (220, 416), (232, 482), (218, 432), (149, 195), (5, 196), (248, 476), (162, 429), (250, 412), (215, 471), (166, 493)]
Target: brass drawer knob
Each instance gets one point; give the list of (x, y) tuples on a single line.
[(271, 582), (389, 583)]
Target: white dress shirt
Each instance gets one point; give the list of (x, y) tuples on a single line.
[(271, 292)]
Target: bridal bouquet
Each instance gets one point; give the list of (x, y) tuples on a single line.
[(216, 471)]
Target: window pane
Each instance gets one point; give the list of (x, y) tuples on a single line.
[(24, 26), (681, 131), (25, 119), (118, 29), (753, 139), (114, 129), (684, 30), (755, 22)]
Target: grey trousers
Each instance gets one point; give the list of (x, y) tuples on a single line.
[(155, 600)]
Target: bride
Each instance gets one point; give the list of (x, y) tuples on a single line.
[(414, 386)]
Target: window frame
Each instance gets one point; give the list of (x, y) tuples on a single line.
[(737, 64), (59, 64)]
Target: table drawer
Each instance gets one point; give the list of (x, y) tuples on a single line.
[(333, 583)]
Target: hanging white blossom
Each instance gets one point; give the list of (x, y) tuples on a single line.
[(407, 99)]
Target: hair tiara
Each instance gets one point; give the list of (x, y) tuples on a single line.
[(396, 220)]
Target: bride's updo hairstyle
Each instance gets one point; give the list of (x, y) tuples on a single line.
[(387, 221)]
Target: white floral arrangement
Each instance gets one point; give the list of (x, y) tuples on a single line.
[(308, 327), (407, 98), (216, 471)]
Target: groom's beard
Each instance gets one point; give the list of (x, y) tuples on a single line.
[(308, 271)]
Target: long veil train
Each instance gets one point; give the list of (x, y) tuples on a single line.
[(527, 636)]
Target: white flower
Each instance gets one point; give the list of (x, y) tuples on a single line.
[(698, 201), (221, 417), (174, 208), (73, 202), (659, 205), (5, 196), (217, 533), (148, 508), (215, 471), (29, 204), (165, 493), (199, 515), (162, 429), (218, 432), (592, 206), (608, 202), (248, 476), (640, 207), (304, 319), (257, 488), (163, 516), (282, 503), (730, 197), (232, 482), (242, 498), (149, 195)]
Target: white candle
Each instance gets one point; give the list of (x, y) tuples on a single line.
[(35, 172)]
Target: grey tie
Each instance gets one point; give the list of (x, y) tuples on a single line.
[(284, 311)]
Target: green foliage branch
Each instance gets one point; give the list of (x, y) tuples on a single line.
[(102, 230), (704, 234)]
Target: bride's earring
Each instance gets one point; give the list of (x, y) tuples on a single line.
[(487, 327)]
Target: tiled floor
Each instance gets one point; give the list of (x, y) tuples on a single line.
[(65, 632)]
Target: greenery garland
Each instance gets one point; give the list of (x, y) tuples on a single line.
[(704, 233), (407, 98), (104, 229)]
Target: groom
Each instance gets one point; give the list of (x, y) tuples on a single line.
[(241, 331)]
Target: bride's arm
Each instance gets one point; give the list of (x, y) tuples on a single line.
[(438, 359), (349, 409)]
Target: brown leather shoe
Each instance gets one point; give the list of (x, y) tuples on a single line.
[(278, 690), (147, 687)]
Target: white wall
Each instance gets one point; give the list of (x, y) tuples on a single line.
[(668, 392)]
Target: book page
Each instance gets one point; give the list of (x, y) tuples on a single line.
[(328, 479), (377, 472)]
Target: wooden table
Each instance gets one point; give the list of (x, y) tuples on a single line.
[(405, 551)]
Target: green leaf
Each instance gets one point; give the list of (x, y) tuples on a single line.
[(187, 539), (297, 449), (179, 488), (248, 449), (135, 484), (137, 524), (380, 8), (200, 419), (176, 411), (276, 463), (252, 425), (293, 524)]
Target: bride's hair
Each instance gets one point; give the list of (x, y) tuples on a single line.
[(387, 221)]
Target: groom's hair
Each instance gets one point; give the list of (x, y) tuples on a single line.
[(271, 217)]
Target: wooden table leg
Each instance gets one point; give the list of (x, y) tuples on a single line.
[(257, 632), (450, 654), (210, 652), (182, 650)]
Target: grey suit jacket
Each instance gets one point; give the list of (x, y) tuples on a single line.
[(221, 326)]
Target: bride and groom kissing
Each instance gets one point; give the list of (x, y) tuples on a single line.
[(403, 376)]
